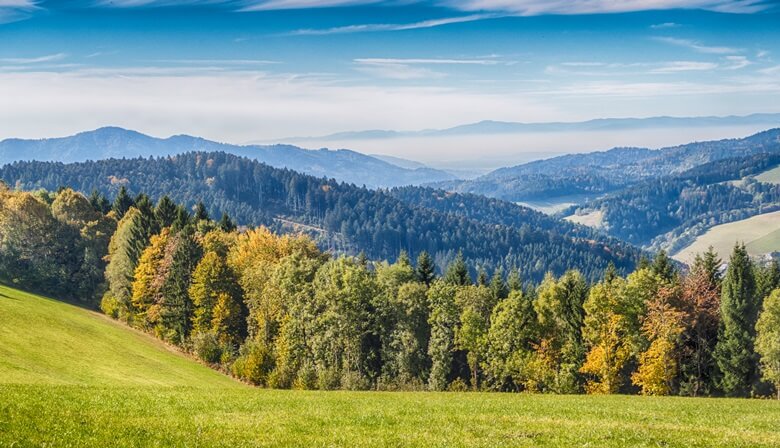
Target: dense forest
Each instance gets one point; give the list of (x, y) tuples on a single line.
[(276, 311), (671, 211), (344, 217)]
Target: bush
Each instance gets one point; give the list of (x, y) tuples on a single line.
[(207, 347)]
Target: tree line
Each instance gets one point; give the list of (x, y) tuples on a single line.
[(276, 311)]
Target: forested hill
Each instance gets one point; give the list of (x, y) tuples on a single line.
[(606, 171), (342, 216), (113, 142), (671, 211)]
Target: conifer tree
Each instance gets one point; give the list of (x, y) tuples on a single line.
[(125, 248), (426, 270), (201, 214), (734, 351), (122, 202), (458, 272), (226, 224), (498, 286), (165, 212), (663, 267)]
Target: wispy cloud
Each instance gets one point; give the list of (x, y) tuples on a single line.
[(34, 60), (15, 10), (375, 27), (737, 62), (697, 46), (572, 7), (393, 69), (684, 66), (225, 62), (521, 7), (663, 26), (429, 61)]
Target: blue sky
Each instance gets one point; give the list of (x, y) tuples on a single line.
[(246, 70)]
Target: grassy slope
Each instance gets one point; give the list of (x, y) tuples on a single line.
[(756, 229), (91, 382), (770, 176), (50, 342)]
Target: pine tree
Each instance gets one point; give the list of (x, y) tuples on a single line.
[(458, 272), (498, 286), (165, 212), (226, 224), (125, 248), (122, 202), (200, 212), (734, 351), (183, 218), (482, 277), (176, 308), (99, 202), (767, 279), (426, 270), (663, 267)]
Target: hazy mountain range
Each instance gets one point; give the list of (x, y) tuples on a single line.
[(112, 142), (489, 127)]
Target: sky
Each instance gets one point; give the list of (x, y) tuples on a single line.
[(262, 70)]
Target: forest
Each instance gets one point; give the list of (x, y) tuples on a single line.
[(346, 218), (657, 212), (274, 310)]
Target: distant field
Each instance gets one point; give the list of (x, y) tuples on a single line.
[(554, 205), (593, 219), (771, 177), (139, 399), (759, 233)]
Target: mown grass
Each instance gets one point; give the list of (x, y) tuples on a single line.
[(169, 400), (46, 341)]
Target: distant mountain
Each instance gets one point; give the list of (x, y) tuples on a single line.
[(112, 142), (602, 172), (602, 124)]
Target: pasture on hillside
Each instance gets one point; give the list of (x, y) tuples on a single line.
[(71, 377)]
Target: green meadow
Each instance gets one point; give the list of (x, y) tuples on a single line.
[(71, 377)]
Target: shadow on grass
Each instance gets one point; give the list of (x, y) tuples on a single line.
[(47, 295)]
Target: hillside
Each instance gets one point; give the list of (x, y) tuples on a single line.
[(112, 142), (379, 223), (670, 212), (44, 341), (597, 173)]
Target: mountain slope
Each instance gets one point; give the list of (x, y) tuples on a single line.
[(346, 218), (111, 142), (44, 341), (606, 171)]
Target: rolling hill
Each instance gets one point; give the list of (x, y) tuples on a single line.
[(591, 175), (112, 142), (45, 341), (346, 218)]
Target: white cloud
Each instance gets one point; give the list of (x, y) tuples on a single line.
[(737, 62), (684, 66), (696, 46), (663, 26), (34, 60), (430, 61), (374, 27), (540, 7), (395, 70)]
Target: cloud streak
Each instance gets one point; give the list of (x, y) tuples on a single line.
[(377, 27), (34, 60), (696, 46)]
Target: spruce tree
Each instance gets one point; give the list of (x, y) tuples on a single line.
[(226, 224), (122, 202), (498, 286), (165, 212), (458, 272), (663, 266), (426, 270), (200, 212), (734, 351), (482, 277)]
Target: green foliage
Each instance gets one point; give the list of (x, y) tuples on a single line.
[(738, 308), (768, 340)]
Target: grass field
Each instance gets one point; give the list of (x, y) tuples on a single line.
[(771, 176), (759, 233), (169, 400)]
